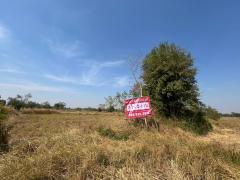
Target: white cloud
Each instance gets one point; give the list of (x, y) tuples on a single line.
[(60, 78), (4, 32), (9, 70), (92, 75), (111, 63), (31, 87), (66, 49)]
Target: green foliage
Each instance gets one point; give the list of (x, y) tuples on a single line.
[(197, 122), (60, 105), (110, 109), (169, 78), (2, 101), (17, 102), (108, 132), (46, 105), (233, 114), (3, 129), (212, 113), (20, 102)]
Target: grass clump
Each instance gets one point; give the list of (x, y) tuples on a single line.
[(108, 132), (102, 159)]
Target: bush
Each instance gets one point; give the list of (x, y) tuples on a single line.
[(3, 129), (212, 113), (197, 122)]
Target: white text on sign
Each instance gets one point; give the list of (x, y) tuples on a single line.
[(138, 106)]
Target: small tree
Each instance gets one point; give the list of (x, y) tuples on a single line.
[(60, 105), (109, 103), (17, 102), (46, 105), (169, 77), (27, 97)]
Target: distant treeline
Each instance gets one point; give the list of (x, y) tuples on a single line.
[(24, 101), (232, 114), (20, 102)]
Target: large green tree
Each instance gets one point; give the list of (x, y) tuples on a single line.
[(169, 77)]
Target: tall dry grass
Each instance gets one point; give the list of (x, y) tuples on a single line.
[(83, 146)]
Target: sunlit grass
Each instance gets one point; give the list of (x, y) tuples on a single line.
[(104, 146)]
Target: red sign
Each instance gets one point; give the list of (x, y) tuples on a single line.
[(137, 107)]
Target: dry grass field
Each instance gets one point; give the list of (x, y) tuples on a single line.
[(91, 145)]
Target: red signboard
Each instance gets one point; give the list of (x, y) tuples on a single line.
[(137, 107)]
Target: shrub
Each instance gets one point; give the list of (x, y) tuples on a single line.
[(3, 129), (212, 113), (197, 122)]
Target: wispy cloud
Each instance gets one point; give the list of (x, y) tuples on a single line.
[(60, 78), (4, 32), (66, 49), (121, 81), (9, 70), (91, 76), (31, 87)]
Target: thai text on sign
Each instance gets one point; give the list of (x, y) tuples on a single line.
[(137, 107)]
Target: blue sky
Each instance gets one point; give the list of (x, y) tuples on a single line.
[(76, 51)]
